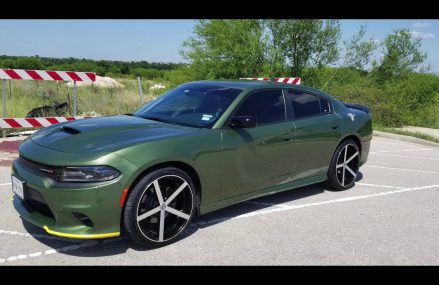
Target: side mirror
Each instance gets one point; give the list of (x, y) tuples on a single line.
[(243, 122)]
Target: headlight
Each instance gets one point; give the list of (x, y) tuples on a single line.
[(88, 174)]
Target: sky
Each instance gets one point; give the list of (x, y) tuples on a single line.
[(158, 40)]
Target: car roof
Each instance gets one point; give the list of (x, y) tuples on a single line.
[(249, 85)]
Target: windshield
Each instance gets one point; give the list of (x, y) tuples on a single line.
[(196, 105)]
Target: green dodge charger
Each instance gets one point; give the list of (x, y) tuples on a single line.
[(200, 147)]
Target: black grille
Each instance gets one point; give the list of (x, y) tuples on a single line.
[(34, 201), (41, 169)]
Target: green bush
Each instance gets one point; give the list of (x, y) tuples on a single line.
[(409, 100), (179, 75)]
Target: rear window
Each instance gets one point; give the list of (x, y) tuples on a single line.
[(304, 104)]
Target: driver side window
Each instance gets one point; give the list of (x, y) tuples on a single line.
[(266, 106)]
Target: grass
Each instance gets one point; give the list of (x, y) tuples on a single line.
[(429, 118), (23, 96)]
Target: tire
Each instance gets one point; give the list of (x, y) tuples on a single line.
[(152, 224), (344, 166)]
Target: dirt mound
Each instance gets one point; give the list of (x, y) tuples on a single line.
[(158, 86), (101, 81)]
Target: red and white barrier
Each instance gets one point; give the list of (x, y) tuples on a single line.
[(17, 123), (22, 74), (49, 75), (289, 80)]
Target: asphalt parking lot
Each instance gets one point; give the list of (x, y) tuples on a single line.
[(389, 217)]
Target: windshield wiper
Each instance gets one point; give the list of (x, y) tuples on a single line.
[(163, 120), (158, 119)]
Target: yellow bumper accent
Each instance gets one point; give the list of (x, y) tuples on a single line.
[(115, 234)]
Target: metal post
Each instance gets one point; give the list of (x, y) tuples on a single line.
[(75, 99), (5, 114), (140, 90), (10, 89)]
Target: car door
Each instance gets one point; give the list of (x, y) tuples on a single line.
[(318, 131), (257, 158)]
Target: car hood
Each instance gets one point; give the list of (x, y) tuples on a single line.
[(106, 134)]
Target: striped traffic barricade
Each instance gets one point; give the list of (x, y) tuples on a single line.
[(45, 75), (17, 123), (289, 80)]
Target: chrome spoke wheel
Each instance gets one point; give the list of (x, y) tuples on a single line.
[(347, 165), (164, 208)]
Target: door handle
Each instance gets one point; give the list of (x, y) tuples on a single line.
[(334, 127)]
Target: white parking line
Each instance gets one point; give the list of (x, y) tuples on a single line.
[(4, 184), (380, 186), (267, 204), (285, 207), (416, 149), (403, 169), (408, 156), (356, 183), (89, 243), (37, 236)]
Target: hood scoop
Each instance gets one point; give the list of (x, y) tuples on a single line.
[(70, 130)]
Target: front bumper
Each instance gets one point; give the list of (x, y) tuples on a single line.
[(73, 210)]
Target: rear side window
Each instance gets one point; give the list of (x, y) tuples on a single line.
[(304, 104), (325, 106), (266, 106)]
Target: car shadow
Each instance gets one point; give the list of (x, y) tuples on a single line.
[(116, 246), (359, 176)]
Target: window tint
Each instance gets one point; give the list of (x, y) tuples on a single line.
[(266, 106), (304, 104), (325, 106)]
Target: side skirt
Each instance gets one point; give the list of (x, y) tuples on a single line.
[(263, 192)]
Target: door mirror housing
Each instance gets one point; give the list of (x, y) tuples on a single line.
[(243, 122)]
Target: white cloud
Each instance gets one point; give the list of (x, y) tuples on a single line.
[(420, 25), (421, 35)]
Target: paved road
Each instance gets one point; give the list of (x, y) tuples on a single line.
[(389, 217)]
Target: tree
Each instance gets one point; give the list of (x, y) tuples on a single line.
[(304, 43), (226, 49), (359, 51), (28, 63), (124, 69), (402, 54)]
